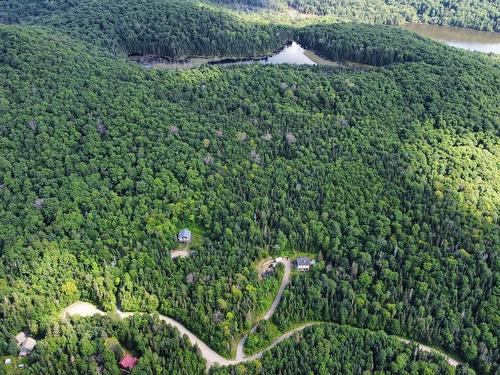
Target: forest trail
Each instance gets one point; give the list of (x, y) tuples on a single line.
[(87, 309)]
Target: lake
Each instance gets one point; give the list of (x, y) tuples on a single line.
[(290, 54), (472, 40)]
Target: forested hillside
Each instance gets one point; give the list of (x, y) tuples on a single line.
[(477, 14), (389, 174), (175, 29)]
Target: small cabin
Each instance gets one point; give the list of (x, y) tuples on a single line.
[(128, 362), (303, 264), (185, 236), (25, 344)]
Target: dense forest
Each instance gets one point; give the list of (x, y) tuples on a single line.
[(166, 28), (175, 29), (478, 14), (389, 174)]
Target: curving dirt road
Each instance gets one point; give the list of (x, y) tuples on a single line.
[(87, 309), (451, 361), (284, 283), (281, 338), (240, 348)]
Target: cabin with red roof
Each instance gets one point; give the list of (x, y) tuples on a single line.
[(128, 362)]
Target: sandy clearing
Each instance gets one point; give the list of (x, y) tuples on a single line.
[(180, 253), (82, 309)]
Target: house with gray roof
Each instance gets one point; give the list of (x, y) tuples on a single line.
[(185, 236), (303, 264)]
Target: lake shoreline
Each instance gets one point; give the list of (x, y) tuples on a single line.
[(487, 42), (164, 62)]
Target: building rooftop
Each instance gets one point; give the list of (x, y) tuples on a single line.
[(303, 261), (29, 344), (128, 362), (185, 233), (20, 338)]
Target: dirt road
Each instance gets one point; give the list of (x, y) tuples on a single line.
[(240, 353), (212, 357)]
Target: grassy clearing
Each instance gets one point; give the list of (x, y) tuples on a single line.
[(265, 294), (265, 334), (197, 240)]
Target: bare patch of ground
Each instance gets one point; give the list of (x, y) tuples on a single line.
[(180, 253)]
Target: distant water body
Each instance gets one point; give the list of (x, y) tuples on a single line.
[(291, 54), (472, 40)]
